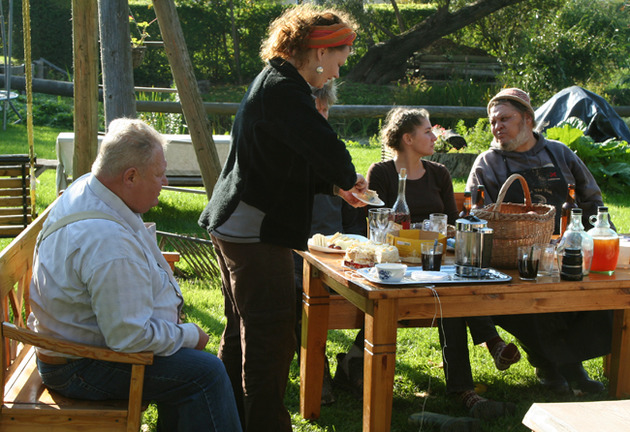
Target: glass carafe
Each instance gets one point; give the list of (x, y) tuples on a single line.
[(605, 243), (575, 237), (400, 210)]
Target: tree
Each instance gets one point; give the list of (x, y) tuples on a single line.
[(387, 61)]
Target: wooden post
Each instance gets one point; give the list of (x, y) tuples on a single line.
[(192, 105), (85, 43), (118, 92)]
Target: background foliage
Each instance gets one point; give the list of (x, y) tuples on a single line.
[(609, 162), (553, 44), (558, 43)]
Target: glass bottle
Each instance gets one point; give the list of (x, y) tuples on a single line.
[(467, 205), (605, 243), (400, 210), (575, 237), (480, 202), (565, 213)]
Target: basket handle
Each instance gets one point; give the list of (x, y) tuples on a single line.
[(511, 179)]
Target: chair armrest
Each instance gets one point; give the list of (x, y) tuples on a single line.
[(29, 337)]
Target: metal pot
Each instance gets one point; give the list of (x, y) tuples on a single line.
[(473, 247)]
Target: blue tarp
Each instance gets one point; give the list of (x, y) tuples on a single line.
[(602, 120)]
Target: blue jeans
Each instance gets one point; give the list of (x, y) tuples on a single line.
[(190, 388)]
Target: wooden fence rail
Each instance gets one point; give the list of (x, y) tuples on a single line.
[(342, 111), (62, 88)]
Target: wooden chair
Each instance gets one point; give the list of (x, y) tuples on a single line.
[(15, 194), (27, 404)]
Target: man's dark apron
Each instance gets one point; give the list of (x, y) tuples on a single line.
[(547, 185), (561, 337)]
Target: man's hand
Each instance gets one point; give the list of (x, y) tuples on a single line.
[(203, 339), (359, 188)]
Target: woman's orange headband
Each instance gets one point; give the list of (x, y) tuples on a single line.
[(330, 36)]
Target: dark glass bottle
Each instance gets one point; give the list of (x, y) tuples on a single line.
[(565, 214), (467, 205), (400, 210), (480, 202)]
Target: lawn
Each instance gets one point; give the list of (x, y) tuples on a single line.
[(419, 381)]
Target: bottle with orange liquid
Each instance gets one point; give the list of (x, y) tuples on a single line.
[(605, 243), (480, 200), (467, 205)]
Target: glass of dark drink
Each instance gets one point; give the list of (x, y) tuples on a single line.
[(431, 256), (528, 259)]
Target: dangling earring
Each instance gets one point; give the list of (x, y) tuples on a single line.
[(319, 69)]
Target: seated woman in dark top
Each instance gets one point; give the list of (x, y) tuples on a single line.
[(429, 187), (408, 133)]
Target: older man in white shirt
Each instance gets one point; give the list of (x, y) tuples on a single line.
[(99, 278)]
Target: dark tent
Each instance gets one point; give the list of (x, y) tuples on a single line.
[(602, 120)]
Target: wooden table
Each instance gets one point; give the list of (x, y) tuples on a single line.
[(385, 306), (579, 416)]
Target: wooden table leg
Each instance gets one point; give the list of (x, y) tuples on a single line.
[(380, 361), (315, 308), (619, 373)]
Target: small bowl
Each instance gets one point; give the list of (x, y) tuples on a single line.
[(391, 272)]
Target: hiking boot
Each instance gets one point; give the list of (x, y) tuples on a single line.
[(552, 379), (579, 380)]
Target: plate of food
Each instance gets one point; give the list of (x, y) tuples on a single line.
[(369, 197), (336, 243)]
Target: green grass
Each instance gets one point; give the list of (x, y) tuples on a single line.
[(14, 140), (419, 380)]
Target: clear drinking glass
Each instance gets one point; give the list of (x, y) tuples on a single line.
[(384, 216), (528, 259), (373, 223), (547, 263), (431, 256), (438, 222), (378, 220)]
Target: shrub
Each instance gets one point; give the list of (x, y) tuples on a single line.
[(609, 161)]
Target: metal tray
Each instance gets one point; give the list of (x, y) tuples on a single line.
[(446, 276)]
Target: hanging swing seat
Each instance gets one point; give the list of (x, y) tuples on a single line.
[(15, 194)]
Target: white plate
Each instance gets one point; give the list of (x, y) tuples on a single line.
[(375, 202), (428, 276), (324, 249), (370, 274)]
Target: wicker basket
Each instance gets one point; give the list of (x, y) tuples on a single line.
[(516, 224)]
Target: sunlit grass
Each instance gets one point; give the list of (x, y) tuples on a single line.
[(419, 379)]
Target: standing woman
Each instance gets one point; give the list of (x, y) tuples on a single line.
[(429, 187), (283, 152)]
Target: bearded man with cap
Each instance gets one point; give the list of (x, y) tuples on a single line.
[(548, 166), (556, 343)]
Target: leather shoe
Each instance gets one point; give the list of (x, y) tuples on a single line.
[(579, 380), (552, 379)]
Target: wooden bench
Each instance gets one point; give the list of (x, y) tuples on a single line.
[(15, 194), (27, 404)]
